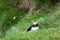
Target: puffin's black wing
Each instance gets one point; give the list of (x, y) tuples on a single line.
[(29, 29)]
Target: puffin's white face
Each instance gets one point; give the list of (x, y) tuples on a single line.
[(34, 23)]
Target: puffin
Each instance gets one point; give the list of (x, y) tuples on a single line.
[(33, 27)]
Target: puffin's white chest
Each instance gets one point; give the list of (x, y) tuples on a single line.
[(34, 28)]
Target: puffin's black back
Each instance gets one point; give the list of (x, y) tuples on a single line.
[(29, 29)]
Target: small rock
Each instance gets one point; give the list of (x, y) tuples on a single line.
[(14, 17)]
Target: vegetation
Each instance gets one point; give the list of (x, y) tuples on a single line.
[(47, 14)]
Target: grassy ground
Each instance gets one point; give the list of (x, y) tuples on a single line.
[(49, 28), (49, 24)]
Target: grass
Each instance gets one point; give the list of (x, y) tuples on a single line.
[(50, 28), (7, 12), (44, 34), (49, 24)]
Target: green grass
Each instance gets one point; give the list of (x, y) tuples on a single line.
[(50, 28), (44, 34), (7, 12), (49, 24)]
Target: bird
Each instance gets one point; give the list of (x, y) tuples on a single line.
[(33, 27)]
